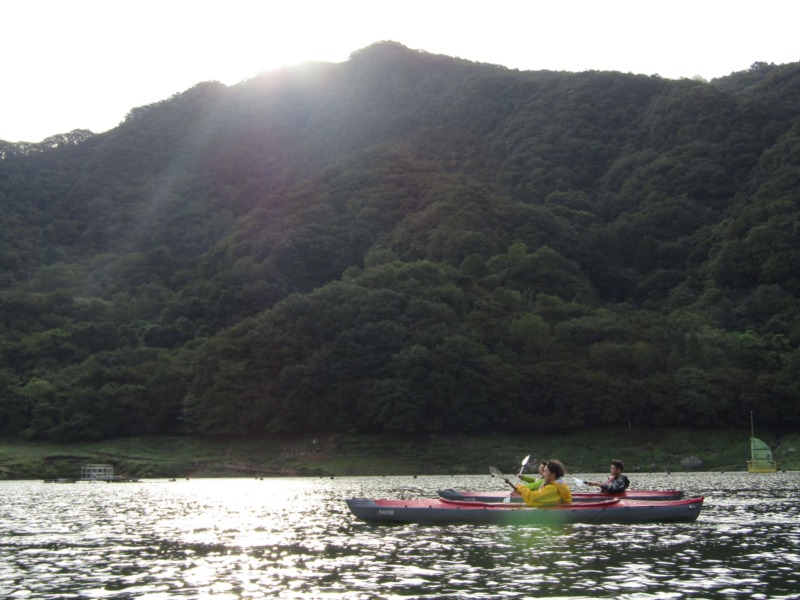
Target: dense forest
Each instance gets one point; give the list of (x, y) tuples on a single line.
[(409, 242)]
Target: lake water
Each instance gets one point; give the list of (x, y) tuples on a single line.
[(295, 538)]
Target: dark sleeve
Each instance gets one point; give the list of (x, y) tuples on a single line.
[(615, 487)]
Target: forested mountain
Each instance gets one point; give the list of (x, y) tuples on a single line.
[(409, 242)]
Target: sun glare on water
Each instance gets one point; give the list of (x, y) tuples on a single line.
[(239, 513)]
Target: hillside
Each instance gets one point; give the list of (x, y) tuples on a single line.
[(408, 242)]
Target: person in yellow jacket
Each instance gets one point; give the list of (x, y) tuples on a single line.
[(553, 490)]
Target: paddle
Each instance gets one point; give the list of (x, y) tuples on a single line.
[(578, 482), (496, 473), (524, 462)]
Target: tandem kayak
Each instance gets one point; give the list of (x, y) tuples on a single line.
[(652, 495), (439, 511)]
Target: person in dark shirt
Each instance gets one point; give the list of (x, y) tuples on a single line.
[(616, 482)]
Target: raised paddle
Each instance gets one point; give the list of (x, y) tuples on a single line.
[(524, 462), (496, 473)]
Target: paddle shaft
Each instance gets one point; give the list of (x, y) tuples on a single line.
[(496, 472)]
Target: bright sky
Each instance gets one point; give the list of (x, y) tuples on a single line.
[(83, 64)]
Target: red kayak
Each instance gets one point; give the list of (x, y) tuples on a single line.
[(651, 495), (438, 511)]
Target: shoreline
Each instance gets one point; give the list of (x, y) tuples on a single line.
[(331, 454)]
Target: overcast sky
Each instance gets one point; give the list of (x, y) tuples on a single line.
[(83, 64)]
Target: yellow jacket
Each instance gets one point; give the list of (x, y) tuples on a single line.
[(547, 495)]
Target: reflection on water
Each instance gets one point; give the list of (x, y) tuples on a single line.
[(295, 538)]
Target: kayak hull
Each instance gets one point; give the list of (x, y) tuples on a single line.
[(453, 512), (651, 495)]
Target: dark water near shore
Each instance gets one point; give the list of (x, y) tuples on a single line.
[(294, 538)]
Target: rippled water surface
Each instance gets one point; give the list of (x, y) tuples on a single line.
[(295, 538)]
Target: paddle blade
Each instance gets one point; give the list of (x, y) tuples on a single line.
[(497, 473), (524, 462), (578, 482)]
